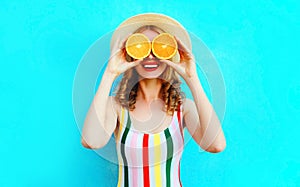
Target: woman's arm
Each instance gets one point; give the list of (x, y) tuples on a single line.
[(199, 116), (101, 118), (201, 119)]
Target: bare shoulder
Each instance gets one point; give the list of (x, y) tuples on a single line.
[(116, 109), (115, 105), (188, 105)]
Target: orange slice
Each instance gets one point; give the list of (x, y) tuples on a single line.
[(176, 57), (164, 46), (138, 46)]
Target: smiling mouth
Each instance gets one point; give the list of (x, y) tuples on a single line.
[(150, 65)]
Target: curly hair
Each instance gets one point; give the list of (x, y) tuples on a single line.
[(171, 93)]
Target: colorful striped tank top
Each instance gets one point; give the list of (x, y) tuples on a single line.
[(149, 159)]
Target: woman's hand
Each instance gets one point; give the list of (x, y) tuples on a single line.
[(117, 63), (187, 66)]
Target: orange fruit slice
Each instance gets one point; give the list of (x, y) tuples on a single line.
[(176, 57), (164, 46), (138, 46)]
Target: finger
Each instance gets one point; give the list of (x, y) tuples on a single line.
[(115, 47), (115, 52), (168, 62), (122, 42), (188, 72), (181, 45), (135, 63)]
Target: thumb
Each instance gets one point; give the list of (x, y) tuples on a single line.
[(188, 72), (168, 62), (135, 63)]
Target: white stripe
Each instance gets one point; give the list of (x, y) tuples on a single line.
[(163, 160), (139, 160), (172, 130), (177, 145), (128, 157), (118, 147)]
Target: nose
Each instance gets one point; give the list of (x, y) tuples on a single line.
[(151, 56)]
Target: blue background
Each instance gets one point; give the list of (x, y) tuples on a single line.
[(256, 44)]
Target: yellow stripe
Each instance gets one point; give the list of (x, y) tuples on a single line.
[(121, 123), (157, 159), (120, 176), (119, 134)]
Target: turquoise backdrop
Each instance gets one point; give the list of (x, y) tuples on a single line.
[(256, 45)]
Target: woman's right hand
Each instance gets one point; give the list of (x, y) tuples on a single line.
[(117, 63)]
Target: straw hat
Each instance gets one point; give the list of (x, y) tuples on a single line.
[(164, 22)]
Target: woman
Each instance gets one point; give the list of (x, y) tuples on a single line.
[(149, 112)]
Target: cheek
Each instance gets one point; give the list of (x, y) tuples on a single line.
[(163, 67), (138, 68)]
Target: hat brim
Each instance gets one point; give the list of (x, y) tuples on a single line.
[(164, 22)]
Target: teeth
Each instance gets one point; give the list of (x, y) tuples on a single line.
[(150, 66)]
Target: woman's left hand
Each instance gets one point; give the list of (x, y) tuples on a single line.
[(187, 65)]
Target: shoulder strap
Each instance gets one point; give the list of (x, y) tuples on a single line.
[(125, 118), (121, 121), (125, 122)]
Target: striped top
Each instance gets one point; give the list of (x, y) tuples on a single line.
[(149, 159)]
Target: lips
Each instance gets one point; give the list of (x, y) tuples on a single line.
[(150, 65)]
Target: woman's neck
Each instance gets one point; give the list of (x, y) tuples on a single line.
[(149, 89)]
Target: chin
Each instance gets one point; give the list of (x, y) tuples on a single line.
[(153, 75)]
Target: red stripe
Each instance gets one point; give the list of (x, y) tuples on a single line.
[(179, 120), (146, 161), (179, 174)]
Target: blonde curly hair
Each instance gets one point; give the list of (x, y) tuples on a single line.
[(126, 92)]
